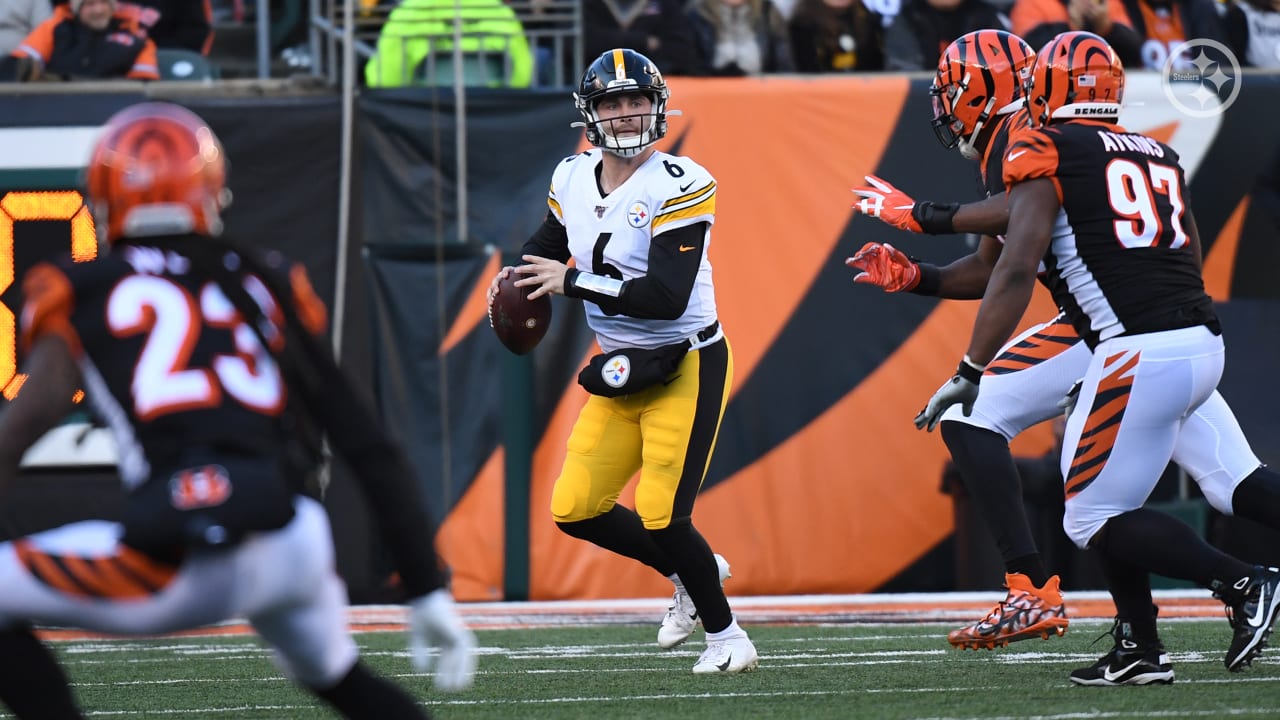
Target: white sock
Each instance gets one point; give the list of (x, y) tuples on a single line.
[(733, 631), (675, 580)]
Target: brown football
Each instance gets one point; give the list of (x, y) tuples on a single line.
[(518, 321)]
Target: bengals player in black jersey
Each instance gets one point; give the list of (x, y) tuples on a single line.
[(1106, 212), (1027, 382), (978, 99), (207, 363)]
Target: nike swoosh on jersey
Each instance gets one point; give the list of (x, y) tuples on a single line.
[(1014, 156), (1113, 677), (685, 188), (687, 248)]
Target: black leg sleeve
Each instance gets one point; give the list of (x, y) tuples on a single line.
[(621, 531), (361, 694), (992, 481), (1257, 497), (31, 683), (1165, 545), (696, 566), (1130, 588)]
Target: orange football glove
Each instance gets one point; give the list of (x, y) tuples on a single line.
[(884, 201), (886, 267)]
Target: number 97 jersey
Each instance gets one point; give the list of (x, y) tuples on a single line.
[(1120, 261)]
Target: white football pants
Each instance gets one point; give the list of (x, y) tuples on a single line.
[(282, 581)]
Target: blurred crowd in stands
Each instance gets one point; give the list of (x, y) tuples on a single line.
[(121, 38)]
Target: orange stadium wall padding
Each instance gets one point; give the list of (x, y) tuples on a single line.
[(820, 483)]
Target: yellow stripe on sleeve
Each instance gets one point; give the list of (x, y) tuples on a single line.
[(706, 207), (709, 187)]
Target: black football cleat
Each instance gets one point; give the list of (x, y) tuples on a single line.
[(1129, 662)]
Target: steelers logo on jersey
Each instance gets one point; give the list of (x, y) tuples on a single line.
[(638, 215)]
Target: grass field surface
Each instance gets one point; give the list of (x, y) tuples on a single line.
[(597, 661)]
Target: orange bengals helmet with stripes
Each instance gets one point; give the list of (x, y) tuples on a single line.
[(1076, 75), (157, 169), (979, 75)]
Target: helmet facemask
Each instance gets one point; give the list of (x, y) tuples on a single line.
[(603, 132), (980, 76), (951, 130)]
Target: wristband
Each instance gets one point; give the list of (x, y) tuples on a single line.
[(930, 280), (584, 282), (570, 289), (969, 370), (935, 218)]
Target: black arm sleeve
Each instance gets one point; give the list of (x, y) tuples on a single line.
[(550, 240), (663, 293), (379, 463)]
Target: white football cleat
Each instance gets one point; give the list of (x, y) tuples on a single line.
[(682, 617), (734, 655)]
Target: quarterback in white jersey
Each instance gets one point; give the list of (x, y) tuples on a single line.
[(637, 222), (616, 235)]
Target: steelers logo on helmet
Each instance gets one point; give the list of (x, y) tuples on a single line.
[(980, 75), (616, 73)]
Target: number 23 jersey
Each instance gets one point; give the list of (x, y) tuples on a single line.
[(612, 235), (166, 359)]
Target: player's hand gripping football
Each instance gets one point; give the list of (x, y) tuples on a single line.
[(884, 201), (434, 622), (494, 287), (961, 389), (884, 266)]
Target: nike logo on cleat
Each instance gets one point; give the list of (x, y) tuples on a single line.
[(725, 665), (1115, 677), (1256, 620)]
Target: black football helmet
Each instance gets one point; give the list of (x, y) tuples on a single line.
[(613, 73)]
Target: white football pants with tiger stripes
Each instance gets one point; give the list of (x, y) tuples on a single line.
[(1035, 370), (283, 582)]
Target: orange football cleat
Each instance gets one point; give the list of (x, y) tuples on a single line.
[(1026, 612)]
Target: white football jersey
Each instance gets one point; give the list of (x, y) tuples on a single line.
[(610, 234)]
